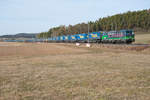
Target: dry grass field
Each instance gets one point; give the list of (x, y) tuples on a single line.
[(49, 71), (142, 37)]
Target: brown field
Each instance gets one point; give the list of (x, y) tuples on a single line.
[(48, 71), (142, 37)]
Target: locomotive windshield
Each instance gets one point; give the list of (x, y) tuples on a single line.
[(129, 33)]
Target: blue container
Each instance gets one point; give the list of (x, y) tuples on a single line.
[(58, 38), (67, 38), (73, 37), (29, 40), (54, 38), (83, 36), (94, 35), (63, 38)]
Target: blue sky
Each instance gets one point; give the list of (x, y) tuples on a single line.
[(35, 16)]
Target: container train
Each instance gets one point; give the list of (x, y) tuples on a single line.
[(122, 36)]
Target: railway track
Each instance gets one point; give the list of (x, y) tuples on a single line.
[(128, 45), (134, 47), (109, 44)]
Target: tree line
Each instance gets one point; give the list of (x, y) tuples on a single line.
[(136, 20)]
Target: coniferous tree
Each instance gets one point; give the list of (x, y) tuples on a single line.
[(137, 20)]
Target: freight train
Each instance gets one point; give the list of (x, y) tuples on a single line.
[(122, 36)]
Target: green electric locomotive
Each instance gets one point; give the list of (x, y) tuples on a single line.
[(122, 36)]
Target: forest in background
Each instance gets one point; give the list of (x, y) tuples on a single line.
[(136, 20)]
